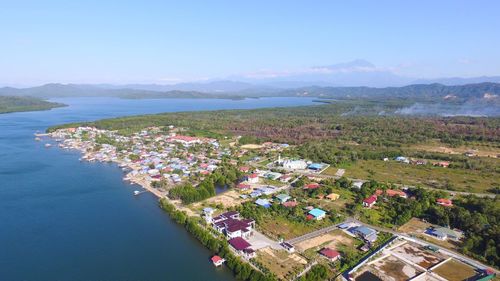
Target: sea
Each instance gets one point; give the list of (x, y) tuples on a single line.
[(63, 219)]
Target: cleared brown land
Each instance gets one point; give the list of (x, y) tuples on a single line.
[(480, 150), (417, 255), (436, 177), (395, 269), (454, 270), (414, 226), (280, 263), (331, 240)]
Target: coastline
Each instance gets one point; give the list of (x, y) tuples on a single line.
[(191, 221)]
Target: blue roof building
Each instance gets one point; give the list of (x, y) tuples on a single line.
[(315, 166), (317, 213), (263, 203), (368, 234)]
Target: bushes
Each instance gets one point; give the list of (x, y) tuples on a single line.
[(226, 175)]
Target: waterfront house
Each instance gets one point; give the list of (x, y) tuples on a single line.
[(330, 254), (317, 214), (217, 261), (263, 203), (444, 233)]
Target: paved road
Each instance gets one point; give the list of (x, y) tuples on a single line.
[(406, 236), (420, 241)]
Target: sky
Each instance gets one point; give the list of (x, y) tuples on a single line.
[(167, 42)]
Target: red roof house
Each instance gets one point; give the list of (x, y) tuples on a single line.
[(217, 261), (312, 185), (290, 204), (330, 254), (370, 201), (244, 169), (444, 202), (239, 244), (392, 192), (253, 178)]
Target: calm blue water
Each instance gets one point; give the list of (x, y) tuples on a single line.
[(62, 219)]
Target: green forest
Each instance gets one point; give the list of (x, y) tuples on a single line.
[(16, 104)]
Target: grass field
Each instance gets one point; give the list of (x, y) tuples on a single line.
[(437, 177), (281, 227), (417, 227), (330, 171), (281, 263), (454, 270)]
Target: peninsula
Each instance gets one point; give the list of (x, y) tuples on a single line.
[(312, 193), (10, 104)]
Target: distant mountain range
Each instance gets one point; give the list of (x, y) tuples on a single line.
[(469, 99), (421, 92)]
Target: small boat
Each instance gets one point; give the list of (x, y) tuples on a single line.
[(48, 145), (137, 192), (38, 139)]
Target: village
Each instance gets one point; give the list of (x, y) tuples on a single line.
[(283, 214)]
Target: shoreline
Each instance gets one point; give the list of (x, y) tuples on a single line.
[(179, 214)]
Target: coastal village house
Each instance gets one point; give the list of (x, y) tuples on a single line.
[(242, 247), (444, 202), (366, 233), (330, 254), (283, 197), (333, 196), (444, 233), (217, 261), (232, 226), (253, 178), (316, 214), (370, 201)]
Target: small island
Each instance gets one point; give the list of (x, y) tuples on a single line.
[(10, 104)]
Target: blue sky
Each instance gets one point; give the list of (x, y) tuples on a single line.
[(172, 41)]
